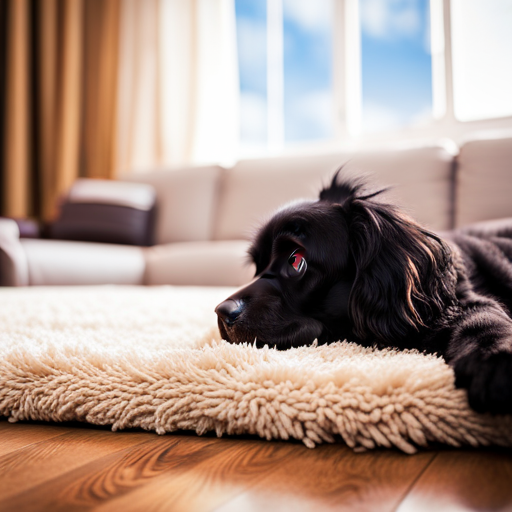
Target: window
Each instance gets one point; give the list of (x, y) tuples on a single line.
[(338, 70), (285, 62), (396, 67), (251, 24), (307, 67), (482, 58)]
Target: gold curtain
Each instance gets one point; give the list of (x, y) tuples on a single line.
[(58, 101)]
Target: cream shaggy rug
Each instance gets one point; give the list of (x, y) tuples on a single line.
[(151, 358)]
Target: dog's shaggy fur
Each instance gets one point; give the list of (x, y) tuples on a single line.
[(351, 267)]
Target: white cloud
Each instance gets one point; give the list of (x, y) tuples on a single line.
[(310, 15), (423, 116), (390, 19), (378, 118), (310, 116), (253, 118), (252, 49)]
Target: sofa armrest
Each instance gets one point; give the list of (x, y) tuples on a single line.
[(13, 261)]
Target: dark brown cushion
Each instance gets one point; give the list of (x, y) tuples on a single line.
[(104, 223), (107, 211)]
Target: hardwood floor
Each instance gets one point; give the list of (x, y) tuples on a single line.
[(76, 468)]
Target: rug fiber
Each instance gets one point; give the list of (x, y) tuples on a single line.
[(152, 358)]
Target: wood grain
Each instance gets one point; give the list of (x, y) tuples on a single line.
[(113, 475), (57, 468), (333, 477), (464, 480), (26, 467), (14, 436), (238, 465)]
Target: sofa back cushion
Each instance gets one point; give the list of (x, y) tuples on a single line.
[(422, 181), (484, 180), (185, 202)]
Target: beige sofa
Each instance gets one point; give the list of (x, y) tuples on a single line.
[(206, 215)]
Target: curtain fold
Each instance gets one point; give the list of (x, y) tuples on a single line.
[(47, 125), (60, 64), (69, 104), (16, 193), (100, 92), (138, 132), (178, 95)]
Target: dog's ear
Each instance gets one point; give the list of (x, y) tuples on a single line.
[(402, 280)]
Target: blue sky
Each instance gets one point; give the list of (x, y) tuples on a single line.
[(307, 33), (396, 66), (251, 19), (395, 63)]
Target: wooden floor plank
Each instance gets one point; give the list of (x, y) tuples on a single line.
[(114, 475), (461, 480), (238, 467), (37, 463), (333, 477), (74, 469), (14, 436), (260, 476)]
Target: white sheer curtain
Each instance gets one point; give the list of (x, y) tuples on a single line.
[(178, 91)]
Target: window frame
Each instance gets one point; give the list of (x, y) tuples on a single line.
[(347, 90), (444, 125)]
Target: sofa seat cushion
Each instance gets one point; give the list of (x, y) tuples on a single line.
[(58, 262), (219, 263)]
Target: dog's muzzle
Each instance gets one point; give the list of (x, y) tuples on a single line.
[(229, 310)]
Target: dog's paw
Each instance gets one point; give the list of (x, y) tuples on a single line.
[(488, 381)]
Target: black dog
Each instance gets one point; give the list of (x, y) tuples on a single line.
[(351, 267)]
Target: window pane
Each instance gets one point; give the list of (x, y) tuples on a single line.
[(482, 58), (308, 102), (396, 63), (251, 24)]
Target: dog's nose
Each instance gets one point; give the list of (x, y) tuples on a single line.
[(229, 311)]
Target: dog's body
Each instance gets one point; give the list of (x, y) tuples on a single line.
[(350, 267)]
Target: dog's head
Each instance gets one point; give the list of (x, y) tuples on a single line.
[(344, 267)]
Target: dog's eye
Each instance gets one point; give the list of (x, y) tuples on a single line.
[(297, 261)]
